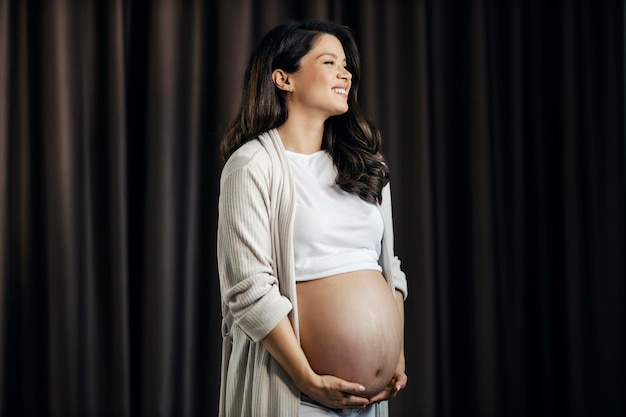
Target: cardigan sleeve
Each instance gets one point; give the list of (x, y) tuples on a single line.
[(248, 285), (398, 276)]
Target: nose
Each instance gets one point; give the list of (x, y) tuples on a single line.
[(345, 75)]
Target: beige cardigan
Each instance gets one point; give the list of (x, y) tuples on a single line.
[(258, 289)]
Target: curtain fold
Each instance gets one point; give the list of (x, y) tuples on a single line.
[(503, 127), (4, 170), (66, 274)]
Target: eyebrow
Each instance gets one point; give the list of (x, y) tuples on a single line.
[(330, 54)]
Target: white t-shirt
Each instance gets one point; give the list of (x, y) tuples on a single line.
[(334, 231)]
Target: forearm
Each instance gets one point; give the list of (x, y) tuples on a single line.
[(400, 305), (284, 347), (328, 390)]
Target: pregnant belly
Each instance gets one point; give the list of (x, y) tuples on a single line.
[(350, 327)]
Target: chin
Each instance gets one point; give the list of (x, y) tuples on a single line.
[(342, 111), (338, 112)]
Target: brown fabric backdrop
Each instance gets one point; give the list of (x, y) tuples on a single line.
[(503, 127)]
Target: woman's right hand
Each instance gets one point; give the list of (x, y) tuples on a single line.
[(328, 390), (336, 393)]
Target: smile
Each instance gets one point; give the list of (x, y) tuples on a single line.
[(340, 91)]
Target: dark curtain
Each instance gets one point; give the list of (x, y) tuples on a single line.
[(503, 125)]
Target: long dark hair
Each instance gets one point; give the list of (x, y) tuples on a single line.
[(352, 140)]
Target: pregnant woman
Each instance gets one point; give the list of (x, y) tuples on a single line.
[(312, 293)]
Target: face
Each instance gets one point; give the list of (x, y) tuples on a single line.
[(322, 83)]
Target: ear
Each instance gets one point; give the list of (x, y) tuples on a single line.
[(281, 80)]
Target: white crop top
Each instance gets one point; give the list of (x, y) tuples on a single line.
[(334, 231)]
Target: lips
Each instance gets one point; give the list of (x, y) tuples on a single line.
[(340, 90)]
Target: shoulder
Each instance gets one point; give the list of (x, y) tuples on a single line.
[(386, 192), (260, 159), (385, 204), (251, 155), (262, 152)]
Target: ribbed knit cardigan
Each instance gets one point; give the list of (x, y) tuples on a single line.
[(257, 280)]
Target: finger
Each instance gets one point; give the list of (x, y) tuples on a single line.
[(401, 381), (385, 394), (351, 388), (399, 386), (353, 401), (356, 389), (398, 382), (379, 397)]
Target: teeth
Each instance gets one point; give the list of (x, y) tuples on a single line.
[(340, 90)]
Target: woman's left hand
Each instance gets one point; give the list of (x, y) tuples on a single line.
[(397, 383)]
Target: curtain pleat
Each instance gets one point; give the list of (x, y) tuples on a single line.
[(503, 127), (5, 252)]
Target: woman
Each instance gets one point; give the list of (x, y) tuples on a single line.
[(312, 295)]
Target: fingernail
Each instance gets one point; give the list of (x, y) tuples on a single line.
[(361, 388)]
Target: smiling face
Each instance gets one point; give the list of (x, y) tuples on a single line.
[(322, 83)]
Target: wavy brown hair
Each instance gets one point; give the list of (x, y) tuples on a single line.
[(352, 140)]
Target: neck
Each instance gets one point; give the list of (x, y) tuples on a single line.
[(301, 135)]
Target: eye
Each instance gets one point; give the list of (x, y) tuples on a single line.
[(329, 63)]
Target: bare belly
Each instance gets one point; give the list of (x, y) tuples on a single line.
[(350, 327)]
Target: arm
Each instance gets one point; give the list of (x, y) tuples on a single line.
[(250, 291), (399, 379), (400, 304), (249, 288), (328, 390)]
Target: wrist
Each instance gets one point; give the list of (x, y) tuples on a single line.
[(305, 379), (401, 362)]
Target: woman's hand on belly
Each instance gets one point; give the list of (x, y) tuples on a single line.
[(330, 391), (399, 379), (396, 384), (333, 392), (351, 327)]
